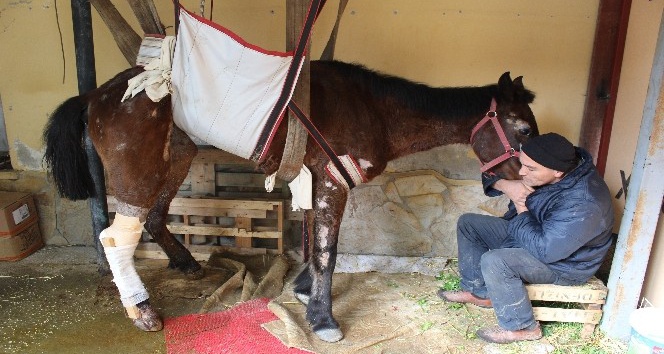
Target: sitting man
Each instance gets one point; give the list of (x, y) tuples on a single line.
[(557, 230)]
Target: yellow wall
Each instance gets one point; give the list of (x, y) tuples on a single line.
[(37, 73), (472, 42), (31, 73), (432, 41)]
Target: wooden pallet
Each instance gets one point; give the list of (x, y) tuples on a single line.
[(249, 219), (243, 220), (214, 172), (223, 197), (589, 298)]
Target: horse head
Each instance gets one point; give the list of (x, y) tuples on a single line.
[(497, 138)]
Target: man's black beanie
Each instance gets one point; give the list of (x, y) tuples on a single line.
[(551, 150)]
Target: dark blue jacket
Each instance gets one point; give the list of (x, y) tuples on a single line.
[(568, 225)]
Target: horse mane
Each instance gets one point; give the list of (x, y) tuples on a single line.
[(448, 102)]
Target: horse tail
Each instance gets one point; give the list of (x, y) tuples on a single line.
[(65, 153)]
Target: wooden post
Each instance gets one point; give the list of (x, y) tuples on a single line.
[(328, 52), (296, 140), (245, 224), (87, 80), (606, 63), (296, 12), (125, 37)]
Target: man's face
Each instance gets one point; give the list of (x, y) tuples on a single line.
[(536, 175)]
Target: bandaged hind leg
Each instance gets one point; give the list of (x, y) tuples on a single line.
[(120, 241)]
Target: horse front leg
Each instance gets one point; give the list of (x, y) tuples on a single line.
[(314, 284)]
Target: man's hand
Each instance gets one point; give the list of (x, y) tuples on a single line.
[(516, 191)]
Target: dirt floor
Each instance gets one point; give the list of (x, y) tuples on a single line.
[(54, 301)]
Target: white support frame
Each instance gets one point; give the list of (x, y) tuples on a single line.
[(642, 208)]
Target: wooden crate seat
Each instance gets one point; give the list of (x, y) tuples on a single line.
[(589, 297)]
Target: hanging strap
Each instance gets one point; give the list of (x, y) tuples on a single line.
[(290, 82), (296, 144), (322, 143), (176, 11)]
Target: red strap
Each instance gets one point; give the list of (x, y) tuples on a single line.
[(491, 113), (510, 152), (505, 156)]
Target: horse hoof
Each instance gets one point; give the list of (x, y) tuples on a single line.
[(303, 298), (148, 320), (330, 335)]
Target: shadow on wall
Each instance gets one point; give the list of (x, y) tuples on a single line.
[(603, 271), (5, 164)]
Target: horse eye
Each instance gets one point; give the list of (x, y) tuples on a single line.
[(524, 131)]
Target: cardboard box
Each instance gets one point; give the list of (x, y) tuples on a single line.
[(19, 226), (17, 247)]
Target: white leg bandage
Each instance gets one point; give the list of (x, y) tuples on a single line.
[(120, 241)]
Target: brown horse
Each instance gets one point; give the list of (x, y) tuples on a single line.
[(373, 117)]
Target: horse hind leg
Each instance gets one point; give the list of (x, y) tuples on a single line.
[(182, 152), (178, 255), (120, 241)]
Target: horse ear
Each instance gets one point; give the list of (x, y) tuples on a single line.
[(521, 94), (518, 83), (506, 87)]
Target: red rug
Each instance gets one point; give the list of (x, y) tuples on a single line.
[(237, 330)]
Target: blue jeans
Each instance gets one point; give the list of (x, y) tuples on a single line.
[(491, 270)]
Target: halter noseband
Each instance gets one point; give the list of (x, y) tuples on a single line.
[(492, 116)]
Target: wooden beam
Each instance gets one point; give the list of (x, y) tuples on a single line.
[(328, 52), (200, 253), (294, 151), (208, 154), (147, 16), (125, 37), (606, 62)]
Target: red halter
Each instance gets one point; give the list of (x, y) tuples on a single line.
[(492, 116)]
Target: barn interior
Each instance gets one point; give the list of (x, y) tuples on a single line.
[(397, 241)]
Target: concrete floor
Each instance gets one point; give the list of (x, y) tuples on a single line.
[(54, 301)]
